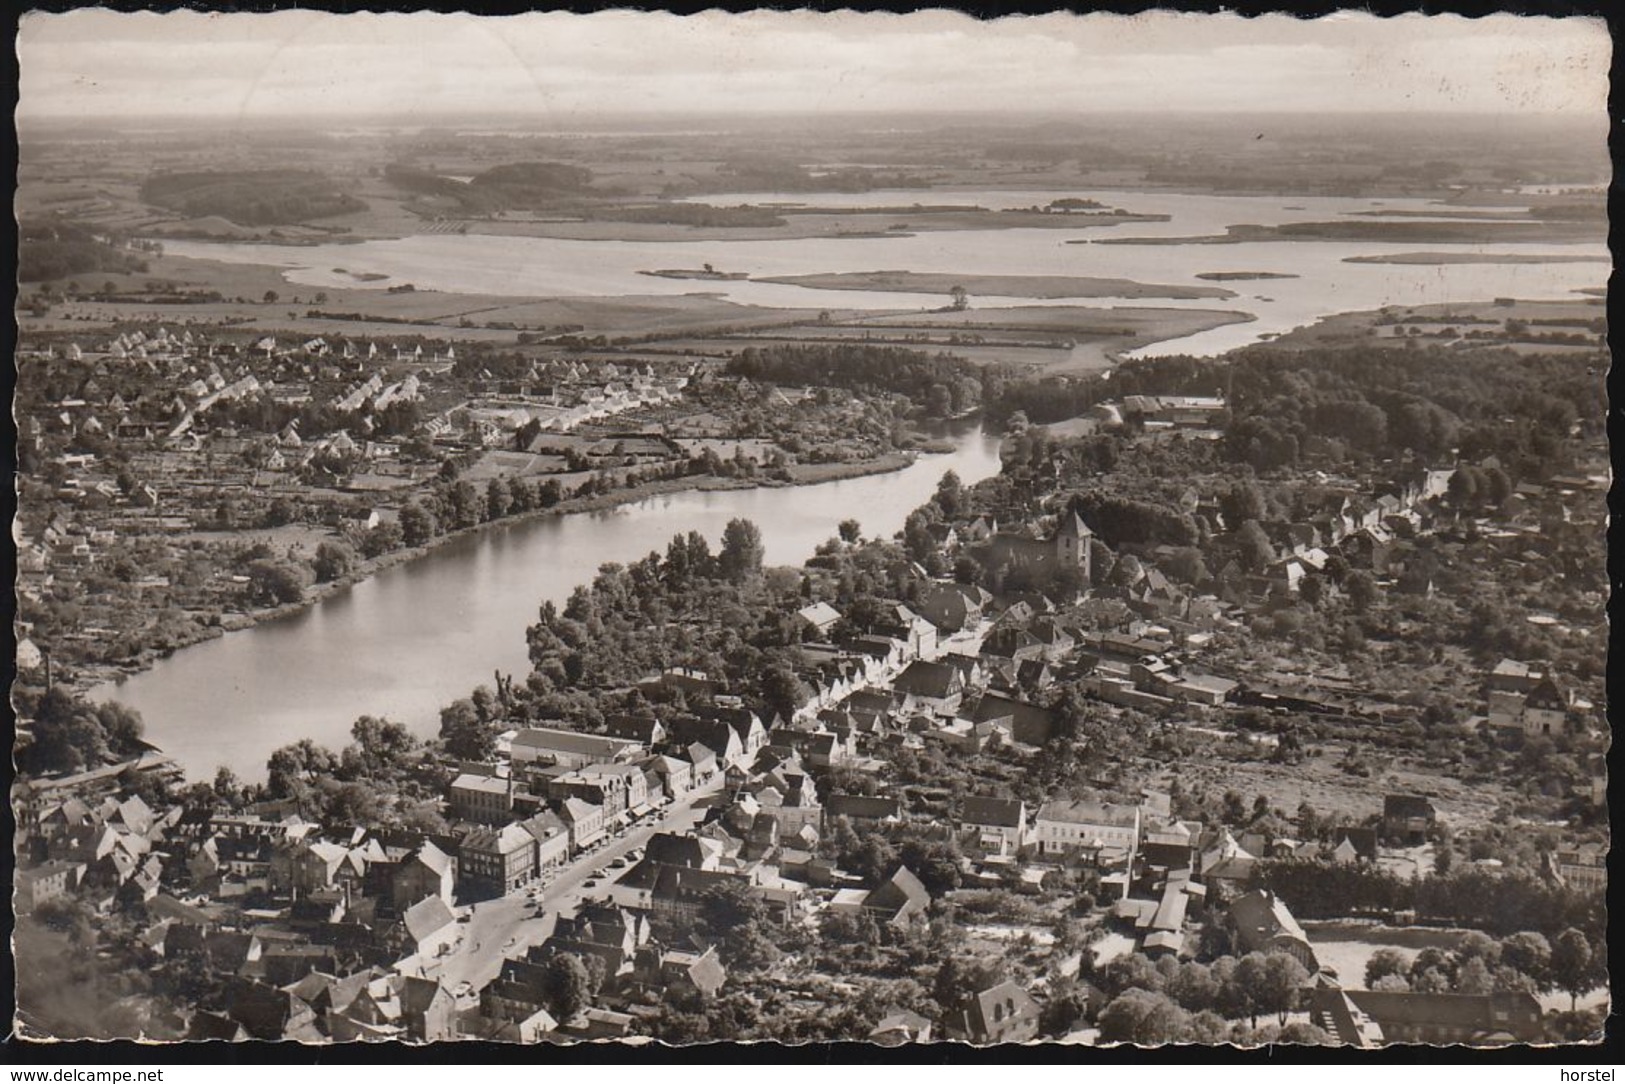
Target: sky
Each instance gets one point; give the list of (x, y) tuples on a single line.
[(97, 64)]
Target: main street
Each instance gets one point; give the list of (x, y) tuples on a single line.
[(503, 927)]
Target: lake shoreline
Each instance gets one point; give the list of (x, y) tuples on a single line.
[(92, 676)]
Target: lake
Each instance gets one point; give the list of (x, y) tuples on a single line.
[(421, 634), (1325, 282)]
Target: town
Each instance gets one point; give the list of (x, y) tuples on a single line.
[(1177, 729), (177, 486), (580, 536)]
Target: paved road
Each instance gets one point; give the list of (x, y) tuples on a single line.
[(506, 926)]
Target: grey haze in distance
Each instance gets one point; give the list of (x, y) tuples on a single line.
[(101, 65)]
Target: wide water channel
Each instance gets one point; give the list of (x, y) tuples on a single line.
[(1323, 281), (417, 636)]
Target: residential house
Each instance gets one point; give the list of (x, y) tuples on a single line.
[(1093, 829), (552, 839), (42, 884), (1510, 675), (268, 1013), (899, 898), (1201, 688), (300, 867), (429, 927), (1546, 709), (791, 799), (930, 686), (819, 618), (952, 607), (496, 861), (1407, 818), (587, 822), (676, 776), (1057, 643), (918, 635), (615, 788), (611, 934), (900, 1028), (1495, 1019), (645, 730), (1264, 924), (722, 745), (428, 1010), (1583, 866), (703, 763), (426, 872), (1029, 723), (1001, 1014), (1351, 844), (863, 809), (1014, 643), (483, 799), (998, 825), (691, 851)]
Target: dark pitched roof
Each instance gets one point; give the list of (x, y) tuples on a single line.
[(1363, 840), (1003, 812), (863, 807), (933, 679), (901, 895), (993, 1009), (1406, 805), (1515, 1015), (639, 728)]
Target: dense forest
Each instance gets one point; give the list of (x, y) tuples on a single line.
[(514, 186), (1520, 409), (1355, 403), (267, 197), (53, 249)]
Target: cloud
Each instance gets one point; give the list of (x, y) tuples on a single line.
[(101, 63)]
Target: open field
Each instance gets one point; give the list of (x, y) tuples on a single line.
[(1375, 326), (1342, 797), (244, 288), (1038, 286)]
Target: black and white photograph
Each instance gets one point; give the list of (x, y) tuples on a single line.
[(803, 528)]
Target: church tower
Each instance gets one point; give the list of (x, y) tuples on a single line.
[(1072, 545)]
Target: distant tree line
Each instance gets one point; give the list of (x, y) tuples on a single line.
[(268, 197)]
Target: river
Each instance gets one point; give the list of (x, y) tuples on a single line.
[(417, 636)]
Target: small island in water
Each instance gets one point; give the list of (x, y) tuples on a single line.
[(1242, 276), (706, 273)]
